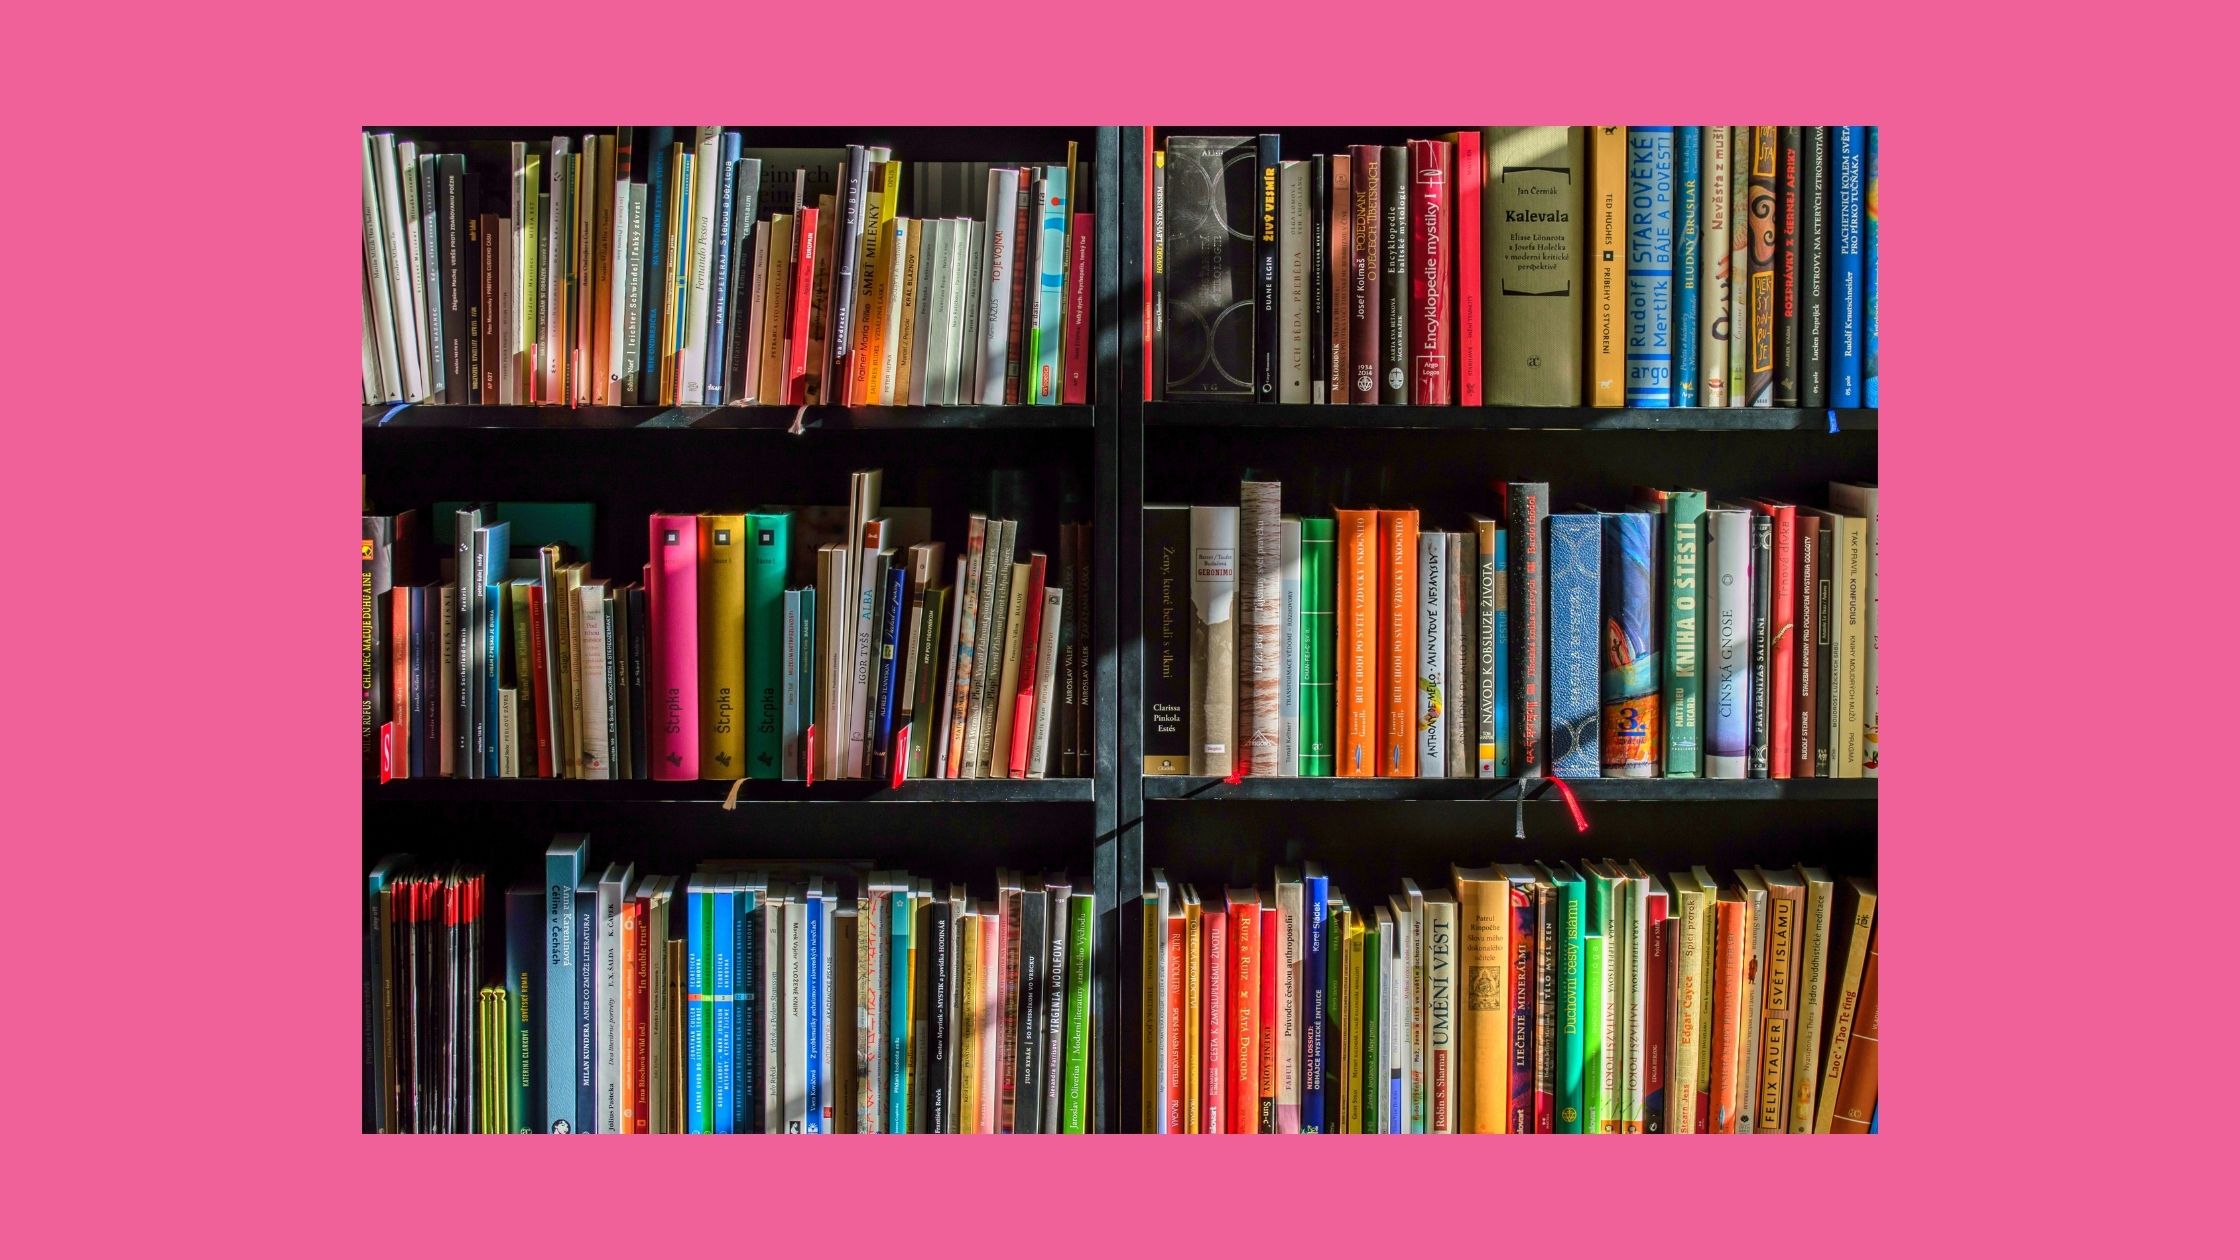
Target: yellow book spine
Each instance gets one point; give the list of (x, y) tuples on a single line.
[(968, 1050), (1606, 267), (723, 646), (1353, 1022), (1484, 898), (911, 243), (674, 212)]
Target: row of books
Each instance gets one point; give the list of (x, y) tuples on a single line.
[(1520, 266), (712, 666), (1543, 998), (1674, 637), (659, 265), (797, 998)]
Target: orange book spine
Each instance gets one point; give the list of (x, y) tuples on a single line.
[(1726, 1046), (1855, 1098), (627, 1061), (1177, 1029), (1244, 1024), (1358, 751), (1397, 666), (1606, 267)]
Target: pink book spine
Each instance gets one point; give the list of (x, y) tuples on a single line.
[(1469, 312), (674, 606), (1079, 293)]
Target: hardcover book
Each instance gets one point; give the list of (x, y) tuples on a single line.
[(1606, 312), (1358, 638), (1632, 719), (1430, 670), (1534, 246), (1267, 266), (1213, 660), (1259, 578), (1726, 644), (1785, 266), (1365, 267), (1574, 632), (723, 626), (1846, 323), (1812, 273), (1430, 274), (1166, 643), (674, 607), (1687, 260), (1318, 632), (1396, 543), (1649, 242), (1718, 258), (1762, 244), (1212, 202), (1527, 515)]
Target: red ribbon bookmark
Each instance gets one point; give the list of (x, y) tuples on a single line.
[(901, 740), (1578, 816)]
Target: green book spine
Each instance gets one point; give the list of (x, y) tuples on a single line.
[(1590, 1018), (1082, 908), (1571, 1020), (1372, 1081), (768, 534), (1318, 627), (1683, 667), (932, 626)]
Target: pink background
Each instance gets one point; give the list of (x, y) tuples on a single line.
[(183, 1003)]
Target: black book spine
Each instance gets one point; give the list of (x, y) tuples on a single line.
[(746, 190), (470, 279), (1527, 524), (847, 235), (659, 141), (1166, 640), (1761, 643), (637, 682), (1212, 205), (939, 1117), (1034, 944), (587, 1003), (1264, 268), (1393, 290), (1081, 600), (1318, 286), (1785, 268), (1812, 268), (1158, 328), (1822, 649), (451, 174)]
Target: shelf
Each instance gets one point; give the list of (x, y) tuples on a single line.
[(711, 793), (1199, 788), (772, 419), (1585, 419)]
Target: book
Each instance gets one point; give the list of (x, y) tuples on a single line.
[(1393, 283), (1168, 564), (1293, 339), (1258, 662), (769, 540), (1607, 243), (564, 866), (1733, 934), (722, 599), (1870, 277), (1526, 514), (1430, 273), (1490, 697), (1401, 598), (1574, 634), (1687, 261), (1847, 209), (1429, 692), (1467, 265), (1267, 265), (1212, 200), (1786, 273), (1855, 1095), (1482, 895), (1761, 644), (1289, 661), (1359, 635), (1632, 714), (1812, 267), (1649, 267), (1763, 239), (1460, 588), (1863, 504), (1785, 912), (673, 604), (1717, 280), (1726, 644), (1213, 662), (1364, 271), (1857, 907), (1781, 631), (1318, 633)]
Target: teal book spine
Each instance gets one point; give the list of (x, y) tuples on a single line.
[(1648, 266), (1081, 909), (1683, 632), (1687, 260), (1318, 628), (898, 1012), (1571, 1020), (563, 866), (697, 1111), (768, 536), (1050, 288)]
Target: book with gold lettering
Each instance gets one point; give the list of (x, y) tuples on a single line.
[(1483, 895), (1606, 267), (1399, 598)]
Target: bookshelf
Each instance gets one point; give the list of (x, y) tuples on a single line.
[(1368, 833), (1042, 464)]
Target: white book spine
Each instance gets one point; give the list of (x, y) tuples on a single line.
[(692, 364), (960, 291), (895, 246), (823, 907), (937, 759), (554, 284), (1046, 680), (940, 313), (1287, 711), (797, 1018), (633, 291), (420, 247), (513, 340), (1726, 728), (376, 279), (618, 299), (407, 318), (591, 633), (921, 316), (992, 354), (1431, 655), (1291, 290), (1259, 578), (751, 361)]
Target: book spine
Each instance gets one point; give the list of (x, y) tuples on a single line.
[(1392, 284), (1649, 241), (1764, 240), (1687, 260), (1726, 1043), (721, 603), (1781, 630), (1318, 619), (1366, 264), (1574, 633), (1632, 718), (1572, 1018), (1492, 698), (1526, 538), (1295, 340), (1534, 279), (1321, 366), (1334, 279), (1467, 262), (590, 1002), (1485, 1018), (1761, 645), (1396, 545), (1655, 1014), (1738, 267), (1524, 933), (1718, 280), (1726, 719), (1259, 579), (879, 756), (1314, 1012), (1810, 633), (995, 285), (1812, 264), (1853, 1099), (1358, 635), (1023, 267), (1685, 605), (1847, 190), (1785, 266), (1213, 663), (1080, 294), (1288, 664), (1166, 664), (1046, 385), (1870, 276), (1266, 337), (674, 605), (1080, 946), (1430, 275), (1784, 906), (1429, 692), (1607, 237), (1156, 315), (801, 291)]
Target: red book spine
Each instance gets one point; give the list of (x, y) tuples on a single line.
[(1177, 1028), (1271, 987), (1080, 292), (1030, 640), (400, 682), (1653, 1017), (641, 999), (1213, 1075), (1430, 286), (1468, 315), (1523, 916), (1781, 623), (1339, 278), (673, 608), (804, 280), (540, 697), (1244, 1025), (1364, 264)]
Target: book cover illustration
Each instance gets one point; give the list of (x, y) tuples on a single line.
[(1632, 729)]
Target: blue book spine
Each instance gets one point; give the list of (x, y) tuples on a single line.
[(563, 866), (587, 1005), (1317, 892), (1649, 266), (696, 1008), (1870, 367), (719, 287), (1844, 322), (1574, 634), (898, 1012), (493, 617), (1502, 743), (524, 1001), (813, 910), (1687, 251), (658, 141), (746, 974), (722, 938), (1631, 662), (890, 661)]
